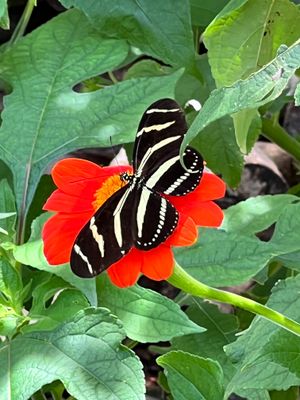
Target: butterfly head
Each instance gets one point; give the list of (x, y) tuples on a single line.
[(126, 177)]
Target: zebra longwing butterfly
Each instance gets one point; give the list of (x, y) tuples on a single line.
[(139, 214)]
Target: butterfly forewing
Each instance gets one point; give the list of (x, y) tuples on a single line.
[(155, 219), (160, 132), (107, 237)]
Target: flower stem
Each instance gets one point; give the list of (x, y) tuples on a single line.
[(182, 280), (22, 24), (273, 131)]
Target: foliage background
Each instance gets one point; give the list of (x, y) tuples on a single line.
[(83, 79)]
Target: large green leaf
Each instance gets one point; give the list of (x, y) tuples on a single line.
[(191, 377), (84, 353), (147, 316), (258, 89), (221, 329), (249, 36), (256, 213), (266, 351), (161, 29), (44, 118)]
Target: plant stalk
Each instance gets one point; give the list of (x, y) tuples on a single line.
[(23, 22), (182, 280), (273, 131)]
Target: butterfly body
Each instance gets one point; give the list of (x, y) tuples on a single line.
[(140, 214)]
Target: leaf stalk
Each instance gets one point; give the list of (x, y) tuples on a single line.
[(182, 280), (274, 132), (23, 22)]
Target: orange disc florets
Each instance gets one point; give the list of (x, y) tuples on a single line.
[(108, 188)]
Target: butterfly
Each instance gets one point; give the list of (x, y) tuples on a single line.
[(139, 214)]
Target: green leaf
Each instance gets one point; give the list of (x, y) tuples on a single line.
[(161, 29), (221, 329), (265, 350), (287, 230), (247, 127), (147, 316), (11, 284), (204, 12), (8, 211), (84, 353), (146, 68), (192, 377), (256, 213), (71, 120), (217, 142), (4, 18), (255, 30), (31, 253), (222, 258), (65, 303), (218, 146), (258, 89), (297, 95)]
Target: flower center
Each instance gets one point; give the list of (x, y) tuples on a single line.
[(107, 189)]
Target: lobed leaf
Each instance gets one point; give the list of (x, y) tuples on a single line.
[(84, 353), (161, 29)]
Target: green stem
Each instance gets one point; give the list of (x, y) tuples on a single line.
[(187, 283), (112, 77), (23, 22), (273, 131)]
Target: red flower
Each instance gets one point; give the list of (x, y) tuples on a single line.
[(84, 186)]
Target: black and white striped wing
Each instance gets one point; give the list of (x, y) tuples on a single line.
[(172, 179), (156, 151), (107, 237), (161, 130), (155, 219)]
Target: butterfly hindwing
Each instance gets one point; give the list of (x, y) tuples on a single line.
[(172, 179), (107, 237), (155, 219)]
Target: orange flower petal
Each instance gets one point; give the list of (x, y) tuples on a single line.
[(60, 201), (211, 187), (125, 272), (158, 263), (82, 177), (205, 213), (59, 234), (185, 234)]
